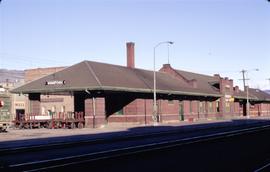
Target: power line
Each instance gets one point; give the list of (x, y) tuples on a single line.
[(268, 80), (23, 57), (28, 62)]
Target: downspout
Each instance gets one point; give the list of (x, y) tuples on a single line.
[(145, 122), (94, 112), (94, 107)]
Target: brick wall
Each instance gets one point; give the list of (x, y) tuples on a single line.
[(169, 110), (141, 111), (265, 109), (94, 112), (136, 111)]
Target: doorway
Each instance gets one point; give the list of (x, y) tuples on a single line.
[(181, 111), (20, 114)]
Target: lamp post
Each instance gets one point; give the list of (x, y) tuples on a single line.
[(155, 117), (247, 88)]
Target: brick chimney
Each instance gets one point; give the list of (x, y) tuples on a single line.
[(217, 76), (130, 55), (167, 66), (236, 89)]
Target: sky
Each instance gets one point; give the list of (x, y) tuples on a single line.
[(210, 36)]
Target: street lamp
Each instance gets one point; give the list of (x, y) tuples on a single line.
[(247, 88), (155, 117)]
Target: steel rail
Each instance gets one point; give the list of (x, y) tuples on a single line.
[(127, 137), (89, 157), (263, 167)]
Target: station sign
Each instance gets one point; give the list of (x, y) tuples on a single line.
[(19, 104), (55, 82), (229, 98)]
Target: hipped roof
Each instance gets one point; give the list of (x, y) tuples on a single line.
[(253, 94), (204, 82), (243, 95), (100, 76), (259, 94), (207, 82)]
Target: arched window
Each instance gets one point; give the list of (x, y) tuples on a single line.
[(43, 110), (210, 107), (63, 109), (202, 107), (53, 108)]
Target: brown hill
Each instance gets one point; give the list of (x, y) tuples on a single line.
[(11, 75)]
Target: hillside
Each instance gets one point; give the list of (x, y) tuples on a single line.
[(11, 75), (268, 91)]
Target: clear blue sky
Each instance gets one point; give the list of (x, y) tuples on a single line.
[(211, 36)]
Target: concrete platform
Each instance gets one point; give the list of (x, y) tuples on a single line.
[(29, 137)]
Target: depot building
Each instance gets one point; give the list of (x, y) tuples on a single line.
[(107, 93)]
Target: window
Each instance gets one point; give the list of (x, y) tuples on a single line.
[(216, 85), (227, 90), (228, 107), (53, 108), (217, 106), (190, 106), (53, 111), (120, 112), (201, 107), (43, 111), (210, 107), (63, 109), (170, 102)]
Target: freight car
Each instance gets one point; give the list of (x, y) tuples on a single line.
[(5, 111), (51, 120)]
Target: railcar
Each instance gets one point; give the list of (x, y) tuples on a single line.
[(5, 111), (52, 120)]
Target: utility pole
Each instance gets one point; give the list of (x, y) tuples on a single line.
[(268, 91), (246, 87), (244, 78)]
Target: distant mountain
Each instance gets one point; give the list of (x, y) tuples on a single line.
[(268, 91), (11, 75)]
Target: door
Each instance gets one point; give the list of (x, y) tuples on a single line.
[(244, 105), (181, 111), (20, 114)]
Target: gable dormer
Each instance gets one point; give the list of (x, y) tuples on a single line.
[(168, 69)]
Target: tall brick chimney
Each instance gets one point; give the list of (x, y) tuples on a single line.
[(130, 55), (236, 89)]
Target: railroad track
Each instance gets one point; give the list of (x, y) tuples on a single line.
[(132, 136), (65, 162)]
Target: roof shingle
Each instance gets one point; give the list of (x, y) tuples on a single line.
[(101, 76)]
